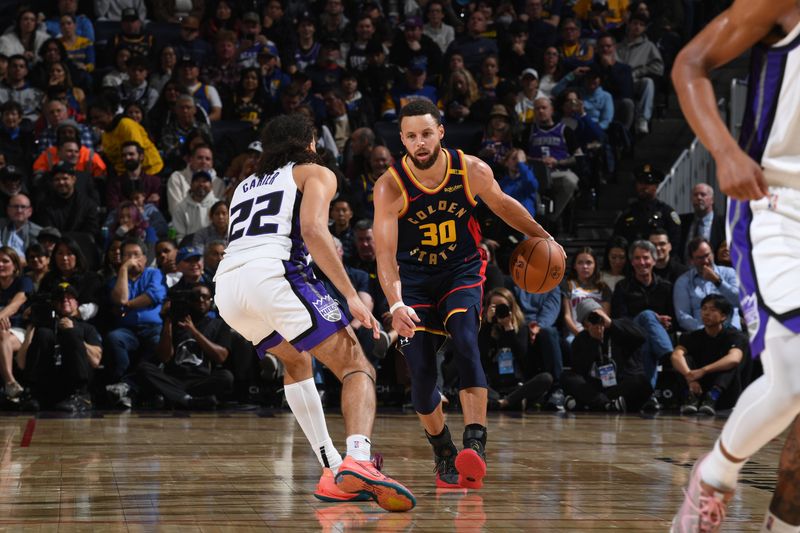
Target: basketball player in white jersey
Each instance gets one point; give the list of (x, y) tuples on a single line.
[(761, 176), (267, 292)]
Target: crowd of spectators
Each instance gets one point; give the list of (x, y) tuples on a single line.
[(125, 125)]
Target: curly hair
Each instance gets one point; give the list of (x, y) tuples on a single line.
[(286, 139)]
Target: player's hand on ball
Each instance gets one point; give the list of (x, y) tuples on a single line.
[(361, 313), (740, 177), (404, 320)]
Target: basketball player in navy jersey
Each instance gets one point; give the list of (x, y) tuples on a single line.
[(432, 273), (761, 176), (267, 292)]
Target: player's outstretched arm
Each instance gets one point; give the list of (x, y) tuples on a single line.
[(318, 187), (730, 34), (388, 200), (483, 184)]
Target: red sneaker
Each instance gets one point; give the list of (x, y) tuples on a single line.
[(362, 476), (327, 491), (471, 467)]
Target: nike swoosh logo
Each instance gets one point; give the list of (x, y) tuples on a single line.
[(417, 197)]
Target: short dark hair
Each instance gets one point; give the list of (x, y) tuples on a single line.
[(695, 243), (363, 225), (658, 231), (719, 302), (133, 241), (418, 107), (134, 144), (11, 105)]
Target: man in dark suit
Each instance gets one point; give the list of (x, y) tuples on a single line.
[(702, 222)]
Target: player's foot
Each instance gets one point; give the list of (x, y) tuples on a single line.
[(704, 507), (328, 491), (362, 476), (446, 473), (471, 466)]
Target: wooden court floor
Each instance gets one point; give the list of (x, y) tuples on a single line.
[(255, 472)]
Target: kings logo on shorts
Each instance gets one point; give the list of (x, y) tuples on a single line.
[(328, 308), (751, 314)]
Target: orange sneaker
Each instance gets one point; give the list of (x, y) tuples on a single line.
[(362, 476), (471, 466), (327, 491)]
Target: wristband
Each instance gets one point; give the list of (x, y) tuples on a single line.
[(396, 306)]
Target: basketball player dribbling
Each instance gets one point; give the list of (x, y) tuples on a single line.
[(267, 292), (761, 176), (432, 272)]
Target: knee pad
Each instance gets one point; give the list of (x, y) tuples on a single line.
[(463, 328)]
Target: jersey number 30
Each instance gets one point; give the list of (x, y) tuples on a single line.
[(257, 226), (438, 234)]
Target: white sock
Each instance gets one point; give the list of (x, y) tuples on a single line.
[(358, 447), (718, 471), (303, 400), (773, 524)]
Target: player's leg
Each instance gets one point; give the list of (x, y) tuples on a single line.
[(343, 356), (784, 509), (463, 328)]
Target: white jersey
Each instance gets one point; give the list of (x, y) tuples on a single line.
[(265, 220)]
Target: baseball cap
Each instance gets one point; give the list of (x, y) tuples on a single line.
[(306, 16), (201, 174), (251, 16), (63, 167), (418, 64), (49, 232), (412, 22), (499, 110), (529, 72), (64, 288), (585, 308), (188, 252), (187, 61), (129, 14), (11, 172), (255, 146), (649, 175)]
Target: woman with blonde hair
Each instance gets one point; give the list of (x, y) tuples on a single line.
[(460, 93), (14, 291)]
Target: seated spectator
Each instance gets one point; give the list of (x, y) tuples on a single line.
[(83, 25), (645, 60), (147, 212), (413, 85), (529, 83), (133, 38), (69, 150), (117, 130), (189, 262), (175, 12), (647, 212), (112, 260), (647, 300), (343, 120), (360, 191), (15, 289), (136, 88), (616, 262), (441, 33), (552, 71), (212, 255), (597, 102), (601, 379), (58, 75), (17, 141), (129, 223), (460, 95), (134, 178), (723, 255), (489, 81), (80, 49), (188, 74), (190, 45), (217, 230), (704, 279), (248, 101), (223, 70), (503, 341), (411, 44), (48, 237), (66, 207), (554, 145), (38, 261), (56, 120), (24, 37), (472, 46), (60, 378), (184, 120), (326, 71), (616, 78), (379, 77), (703, 221), (583, 281), (201, 158), (253, 41), (518, 181), (165, 68), (193, 345), (17, 231), (167, 262), (125, 11), (541, 313), (497, 140), (273, 78), (517, 54), (709, 358), (668, 266), (68, 265), (135, 295), (192, 213), (365, 260), (574, 52), (119, 71), (341, 214), (12, 182)]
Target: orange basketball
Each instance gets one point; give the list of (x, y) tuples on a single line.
[(537, 265)]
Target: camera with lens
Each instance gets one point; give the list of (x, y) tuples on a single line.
[(595, 319), (182, 303), (502, 311)]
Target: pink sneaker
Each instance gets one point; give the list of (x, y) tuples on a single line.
[(357, 476), (704, 507), (327, 491)]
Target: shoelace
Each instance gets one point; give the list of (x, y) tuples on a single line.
[(710, 512)]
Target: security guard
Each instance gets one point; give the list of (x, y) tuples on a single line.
[(647, 212)]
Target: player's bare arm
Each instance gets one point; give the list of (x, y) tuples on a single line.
[(388, 201), (483, 184), (734, 31), (318, 185)]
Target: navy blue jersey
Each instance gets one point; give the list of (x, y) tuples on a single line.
[(436, 227)]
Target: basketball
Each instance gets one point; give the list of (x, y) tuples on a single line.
[(537, 265)]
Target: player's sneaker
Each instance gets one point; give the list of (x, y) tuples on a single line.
[(471, 465), (328, 491), (345, 517), (446, 472), (362, 476), (704, 507)]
